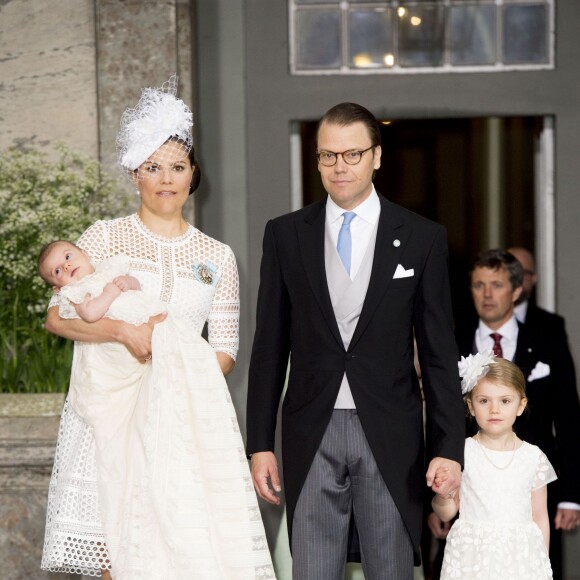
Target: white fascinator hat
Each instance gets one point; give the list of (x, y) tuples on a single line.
[(158, 116)]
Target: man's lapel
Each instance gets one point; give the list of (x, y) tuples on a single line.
[(525, 356), (311, 239), (392, 237)]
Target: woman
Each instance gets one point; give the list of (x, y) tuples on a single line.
[(214, 525)]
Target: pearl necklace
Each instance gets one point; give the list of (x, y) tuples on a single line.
[(488, 458)]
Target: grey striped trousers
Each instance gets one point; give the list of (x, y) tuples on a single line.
[(344, 479)]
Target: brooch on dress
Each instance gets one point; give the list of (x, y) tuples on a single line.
[(205, 272)]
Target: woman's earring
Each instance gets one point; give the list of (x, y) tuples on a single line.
[(137, 191)]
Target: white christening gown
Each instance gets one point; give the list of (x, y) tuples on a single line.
[(174, 497), (495, 536)]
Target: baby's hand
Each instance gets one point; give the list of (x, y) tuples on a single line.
[(114, 288), (123, 283)]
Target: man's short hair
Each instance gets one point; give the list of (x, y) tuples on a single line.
[(345, 114), (498, 260)]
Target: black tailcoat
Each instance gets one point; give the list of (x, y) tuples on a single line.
[(295, 318)]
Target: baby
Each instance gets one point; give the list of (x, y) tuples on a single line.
[(91, 292)]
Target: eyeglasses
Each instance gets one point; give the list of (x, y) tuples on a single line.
[(350, 157)]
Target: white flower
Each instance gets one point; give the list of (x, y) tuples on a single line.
[(473, 368)]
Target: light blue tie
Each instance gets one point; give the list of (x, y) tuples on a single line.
[(344, 245)]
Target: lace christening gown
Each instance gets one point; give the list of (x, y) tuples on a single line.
[(189, 505), (495, 536)]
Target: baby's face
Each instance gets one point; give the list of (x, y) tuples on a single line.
[(64, 264)]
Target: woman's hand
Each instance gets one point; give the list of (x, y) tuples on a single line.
[(226, 362), (137, 339)]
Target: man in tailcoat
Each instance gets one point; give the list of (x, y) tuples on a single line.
[(345, 284)]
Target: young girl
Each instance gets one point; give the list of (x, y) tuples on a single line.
[(503, 527), (154, 431)]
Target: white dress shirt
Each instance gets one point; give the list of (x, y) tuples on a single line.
[(509, 337), (361, 227)]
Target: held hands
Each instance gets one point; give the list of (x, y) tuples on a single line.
[(444, 477), (445, 483), (265, 476)]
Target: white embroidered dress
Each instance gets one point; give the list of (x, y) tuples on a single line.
[(495, 536), (190, 509)]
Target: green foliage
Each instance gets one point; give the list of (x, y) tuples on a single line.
[(42, 200)]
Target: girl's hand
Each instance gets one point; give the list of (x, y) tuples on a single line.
[(441, 475), (451, 484)]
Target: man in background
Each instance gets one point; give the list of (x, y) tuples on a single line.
[(541, 351)]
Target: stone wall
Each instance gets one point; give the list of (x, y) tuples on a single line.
[(28, 430), (48, 91), (70, 67)]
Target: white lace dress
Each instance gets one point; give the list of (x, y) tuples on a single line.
[(189, 509), (495, 536)]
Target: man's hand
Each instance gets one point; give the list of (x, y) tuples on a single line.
[(449, 487), (567, 519), (439, 529), (264, 472)]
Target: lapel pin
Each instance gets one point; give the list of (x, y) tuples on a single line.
[(396, 243)]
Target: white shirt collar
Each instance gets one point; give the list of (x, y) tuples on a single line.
[(368, 210), (509, 330), (509, 341), (521, 311)]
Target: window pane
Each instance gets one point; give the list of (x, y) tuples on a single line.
[(371, 38), (472, 35), (422, 36), (525, 34), (318, 39)]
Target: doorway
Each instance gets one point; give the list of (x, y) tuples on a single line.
[(481, 178)]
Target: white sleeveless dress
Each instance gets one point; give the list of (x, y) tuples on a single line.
[(495, 536), (189, 505)]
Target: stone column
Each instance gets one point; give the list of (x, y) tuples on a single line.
[(139, 43)]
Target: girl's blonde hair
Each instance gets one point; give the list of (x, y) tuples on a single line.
[(506, 373)]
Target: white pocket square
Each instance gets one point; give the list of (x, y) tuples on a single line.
[(540, 371), (400, 272)]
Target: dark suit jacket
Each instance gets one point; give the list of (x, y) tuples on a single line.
[(543, 322), (552, 400), (295, 317)]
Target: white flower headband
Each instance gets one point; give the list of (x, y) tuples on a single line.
[(159, 115), (473, 368)]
